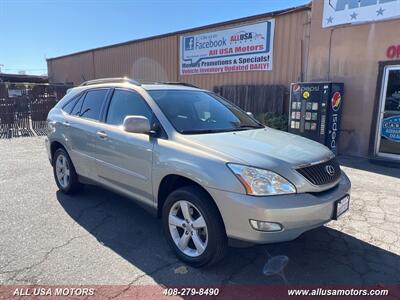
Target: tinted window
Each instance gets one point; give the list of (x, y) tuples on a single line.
[(77, 108), (92, 103), (125, 103), (70, 105), (200, 112)]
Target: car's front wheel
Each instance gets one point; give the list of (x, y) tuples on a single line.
[(64, 173), (193, 227)]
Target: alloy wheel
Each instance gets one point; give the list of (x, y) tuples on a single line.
[(188, 228), (62, 171)]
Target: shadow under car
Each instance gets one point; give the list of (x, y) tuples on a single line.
[(320, 256)]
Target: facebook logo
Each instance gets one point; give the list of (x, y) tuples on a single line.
[(189, 43)]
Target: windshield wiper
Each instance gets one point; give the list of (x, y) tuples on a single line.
[(249, 126), (200, 131)]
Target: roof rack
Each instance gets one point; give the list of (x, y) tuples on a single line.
[(166, 82), (110, 80), (177, 83)]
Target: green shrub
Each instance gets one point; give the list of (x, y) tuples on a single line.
[(274, 120)]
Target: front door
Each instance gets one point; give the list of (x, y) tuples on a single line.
[(388, 132)]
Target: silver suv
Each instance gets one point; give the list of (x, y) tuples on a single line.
[(211, 171)]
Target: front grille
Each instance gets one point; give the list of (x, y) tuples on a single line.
[(321, 174)]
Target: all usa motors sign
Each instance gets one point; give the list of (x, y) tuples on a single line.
[(244, 48), (337, 12)]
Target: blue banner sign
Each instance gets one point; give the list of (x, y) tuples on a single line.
[(391, 128)]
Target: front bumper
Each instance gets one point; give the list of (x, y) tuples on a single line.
[(297, 213)]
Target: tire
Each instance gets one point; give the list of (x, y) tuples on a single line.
[(212, 237), (69, 185)]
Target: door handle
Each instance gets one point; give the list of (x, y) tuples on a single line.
[(101, 134), (66, 123)]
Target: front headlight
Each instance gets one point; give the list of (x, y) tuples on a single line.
[(259, 182)]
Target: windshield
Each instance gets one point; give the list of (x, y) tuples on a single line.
[(192, 112)]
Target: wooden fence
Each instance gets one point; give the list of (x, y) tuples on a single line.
[(256, 98)]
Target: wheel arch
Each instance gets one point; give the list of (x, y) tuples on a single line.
[(172, 182), (54, 146)]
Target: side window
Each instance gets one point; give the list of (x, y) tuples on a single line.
[(92, 104), (125, 103), (77, 108), (70, 105)]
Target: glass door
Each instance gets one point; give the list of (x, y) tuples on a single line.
[(388, 133)]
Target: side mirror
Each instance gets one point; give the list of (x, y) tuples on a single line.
[(136, 124)]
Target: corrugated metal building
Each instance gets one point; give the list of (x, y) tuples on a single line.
[(323, 41), (157, 58)]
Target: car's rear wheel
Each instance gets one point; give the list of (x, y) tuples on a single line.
[(193, 227), (64, 173)]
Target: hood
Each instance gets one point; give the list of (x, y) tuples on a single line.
[(265, 148)]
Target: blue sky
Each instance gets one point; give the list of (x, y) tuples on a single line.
[(35, 30)]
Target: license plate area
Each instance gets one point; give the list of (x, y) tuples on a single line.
[(341, 206)]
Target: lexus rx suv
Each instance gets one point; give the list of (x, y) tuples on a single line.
[(211, 171)]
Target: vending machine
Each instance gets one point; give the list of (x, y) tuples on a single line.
[(315, 111)]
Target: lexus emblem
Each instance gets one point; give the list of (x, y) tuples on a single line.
[(330, 170)]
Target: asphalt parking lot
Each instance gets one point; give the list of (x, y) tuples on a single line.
[(99, 237)]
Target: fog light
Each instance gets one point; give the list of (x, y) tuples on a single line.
[(265, 226)]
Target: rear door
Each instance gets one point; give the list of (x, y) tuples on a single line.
[(124, 160), (81, 127)]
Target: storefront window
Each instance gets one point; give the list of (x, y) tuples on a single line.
[(390, 114)]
